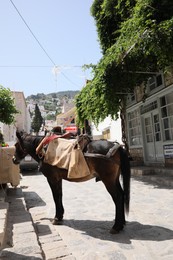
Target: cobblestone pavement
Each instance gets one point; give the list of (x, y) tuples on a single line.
[(89, 213)]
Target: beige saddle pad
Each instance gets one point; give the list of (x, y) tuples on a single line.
[(66, 154)]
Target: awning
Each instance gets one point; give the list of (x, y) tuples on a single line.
[(66, 118)]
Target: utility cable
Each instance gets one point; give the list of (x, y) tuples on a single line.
[(41, 46), (39, 66)]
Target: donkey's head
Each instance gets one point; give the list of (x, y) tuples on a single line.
[(20, 151)]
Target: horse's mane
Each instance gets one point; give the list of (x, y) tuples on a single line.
[(32, 140)]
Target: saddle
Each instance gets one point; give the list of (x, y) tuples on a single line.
[(65, 154)]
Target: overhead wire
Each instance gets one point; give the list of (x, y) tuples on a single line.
[(41, 46), (39, 66)]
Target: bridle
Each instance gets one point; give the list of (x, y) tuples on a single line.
[(21, 153), (83, 141)]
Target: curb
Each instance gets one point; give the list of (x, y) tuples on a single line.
[(3, 215), (3, 221), (19, 238)]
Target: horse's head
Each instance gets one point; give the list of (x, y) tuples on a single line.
[(20, 151)]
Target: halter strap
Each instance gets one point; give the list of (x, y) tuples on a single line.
[(23, 149)]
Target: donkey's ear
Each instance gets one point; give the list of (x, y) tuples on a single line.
[(19, 134)]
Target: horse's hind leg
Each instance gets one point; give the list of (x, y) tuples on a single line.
[(120, 214), (116, 192), (56, 188)]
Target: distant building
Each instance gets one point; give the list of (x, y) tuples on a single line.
[(22, 119), (67, 120)]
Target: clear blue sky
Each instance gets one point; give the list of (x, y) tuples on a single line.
[(66, 31)]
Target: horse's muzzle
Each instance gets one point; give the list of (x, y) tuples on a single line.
[(15, 161)]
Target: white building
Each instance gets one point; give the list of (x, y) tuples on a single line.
[(108, 129), (150, 122), (22, 119)]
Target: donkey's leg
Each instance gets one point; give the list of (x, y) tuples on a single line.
[(119, 214), (116, 192), (56, 188)]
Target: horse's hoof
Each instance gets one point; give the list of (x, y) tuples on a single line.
[(114, 231), (56, 221)]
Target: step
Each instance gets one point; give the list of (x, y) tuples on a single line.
[(145, 170)]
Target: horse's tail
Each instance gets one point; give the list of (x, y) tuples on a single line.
[(126, 175)]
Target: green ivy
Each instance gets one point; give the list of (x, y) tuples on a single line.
[(135, 36), (7, 106)]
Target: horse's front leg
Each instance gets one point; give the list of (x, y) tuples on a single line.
[(56, 188)]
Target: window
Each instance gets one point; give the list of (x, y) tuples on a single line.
[(166, 104), (155, 82), (134, 126), (148, 130), (157, 128), (106, 134), (130, 98)]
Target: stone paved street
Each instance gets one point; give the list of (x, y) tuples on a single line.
[(89, 213)]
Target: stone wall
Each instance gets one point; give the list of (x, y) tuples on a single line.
[(137, 156), (169, 162)]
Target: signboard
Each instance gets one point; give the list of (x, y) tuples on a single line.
[(71, 129), (168, 151)]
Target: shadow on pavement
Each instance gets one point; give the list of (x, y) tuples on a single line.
[(132, 231), (30, 173), (159, 182), (42, 229), (32, 199), (7, 255)]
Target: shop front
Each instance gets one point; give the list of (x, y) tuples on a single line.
[(150, 128)]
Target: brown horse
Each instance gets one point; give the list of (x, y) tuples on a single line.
[(104, 163)]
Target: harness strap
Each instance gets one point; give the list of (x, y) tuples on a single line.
[(113, 150), (108, 156)]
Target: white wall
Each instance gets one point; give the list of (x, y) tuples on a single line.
[(108, 123), (22, 119)]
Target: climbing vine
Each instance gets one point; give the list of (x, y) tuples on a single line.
[(136, 38)]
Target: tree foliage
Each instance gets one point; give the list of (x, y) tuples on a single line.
[(37, 120), (7, 106), (135, 36)]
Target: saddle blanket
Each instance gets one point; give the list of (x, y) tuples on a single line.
[(66, 154)]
